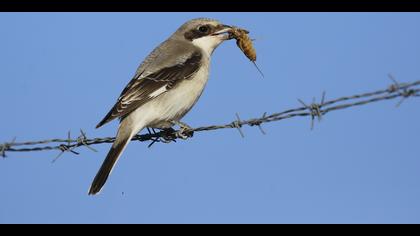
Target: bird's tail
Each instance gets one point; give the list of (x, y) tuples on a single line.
[(121, 141)]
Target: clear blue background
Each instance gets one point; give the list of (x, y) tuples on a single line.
[(64, 71)]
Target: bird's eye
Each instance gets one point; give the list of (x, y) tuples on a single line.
[(203, 29)]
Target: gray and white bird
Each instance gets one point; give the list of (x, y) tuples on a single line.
[(164, 88)]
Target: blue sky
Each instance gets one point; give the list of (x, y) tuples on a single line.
[(64, 71)]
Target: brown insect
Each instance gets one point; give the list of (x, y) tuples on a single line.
[(245, 44)]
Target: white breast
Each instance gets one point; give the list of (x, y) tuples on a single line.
[(175, 103)]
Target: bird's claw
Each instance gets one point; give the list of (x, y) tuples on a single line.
[(184, 132)]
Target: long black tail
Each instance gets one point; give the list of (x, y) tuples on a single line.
[(110, 160)]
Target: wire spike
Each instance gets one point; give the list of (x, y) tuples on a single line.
[(237, 124)]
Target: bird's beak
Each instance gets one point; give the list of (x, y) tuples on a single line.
[(222, 31)]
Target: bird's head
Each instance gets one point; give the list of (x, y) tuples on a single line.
[(204, 33)]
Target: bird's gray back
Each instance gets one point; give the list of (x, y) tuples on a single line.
[(169, 53)]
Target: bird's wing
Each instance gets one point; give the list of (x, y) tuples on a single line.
[(147, 85)]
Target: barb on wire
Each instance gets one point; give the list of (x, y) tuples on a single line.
[(238, 125), (163, 139), (154, 140), (65, 148), (314, 109), (6, 146), (82, 140), (405, 92), (318, 110), (258, 123)]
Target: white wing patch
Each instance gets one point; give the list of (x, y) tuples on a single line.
[(158, 92)]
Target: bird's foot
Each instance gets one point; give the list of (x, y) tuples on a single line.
[(185, 131)]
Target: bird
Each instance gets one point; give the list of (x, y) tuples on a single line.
[(165, 87)]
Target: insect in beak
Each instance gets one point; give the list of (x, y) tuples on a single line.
[(245, 44)]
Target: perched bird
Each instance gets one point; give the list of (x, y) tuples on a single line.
[(164, 88)]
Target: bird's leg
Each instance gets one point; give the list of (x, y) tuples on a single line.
[(185, 130), (182, 124)]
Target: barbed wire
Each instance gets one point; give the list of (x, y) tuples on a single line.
[(314, 110)]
